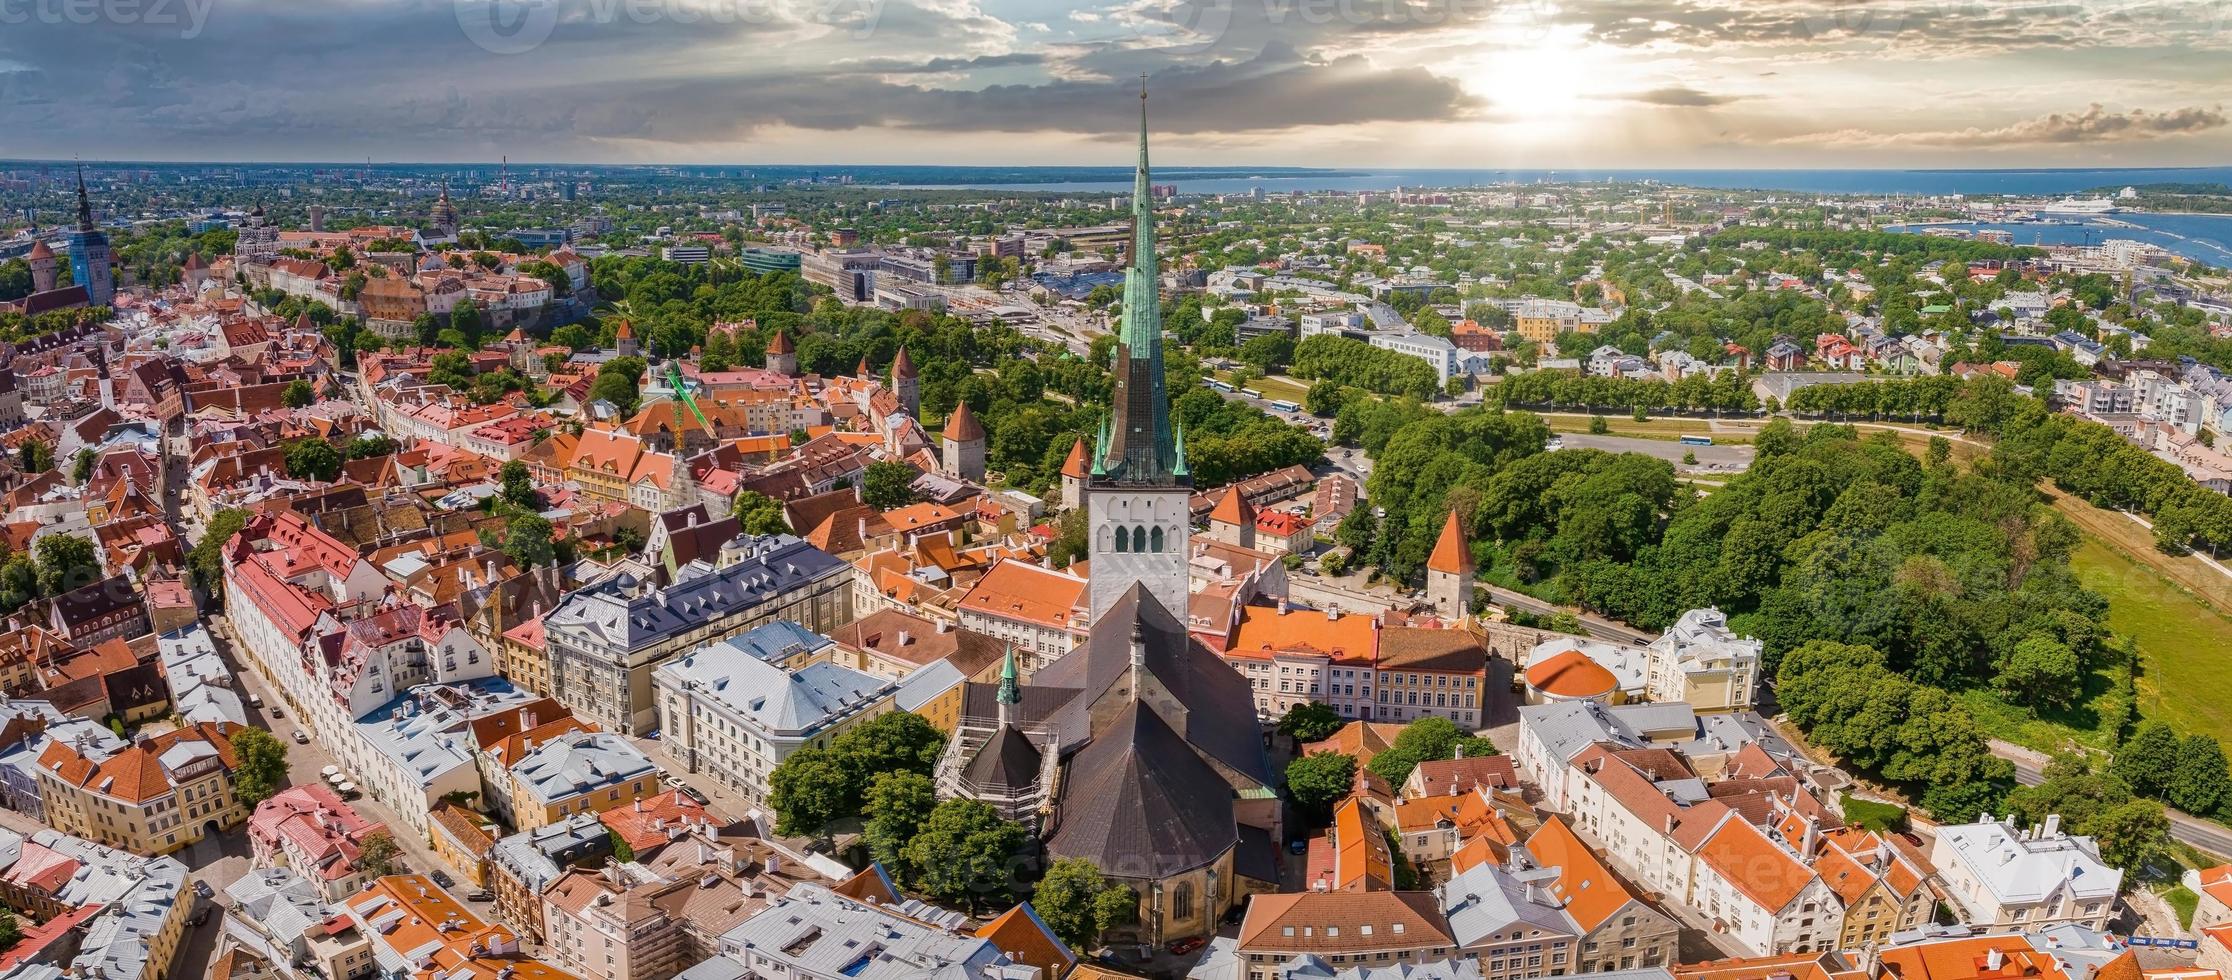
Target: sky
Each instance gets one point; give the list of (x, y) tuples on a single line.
[(1490, 84)]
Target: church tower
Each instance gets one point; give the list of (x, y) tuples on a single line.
[(1136, 495), (89, 252), (906, 384)]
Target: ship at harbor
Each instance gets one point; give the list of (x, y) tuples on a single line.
[(2073, 205)]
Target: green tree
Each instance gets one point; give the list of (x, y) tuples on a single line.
[(1079, 903), (2148, 760), (2199, 784), (759, 513), (35, 457), (262, 765), (315, 459), (518, 485), (2041, 672), (617, 384), (368, 446), (530, 540), (206, 561), (887, 484), (378, 853), (807, 791), (897, 805), (11, 931), (895, 741), (1313, 721), (66, 562), (81, 469), (966, 853), (1319, 780), (298, 393)]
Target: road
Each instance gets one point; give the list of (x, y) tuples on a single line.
[(1723, 459), (2207, 835)]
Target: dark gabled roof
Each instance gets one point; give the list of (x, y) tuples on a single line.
[(89, 602), (1220, 706), (1258, 856), (1008, 760), (1139, 803)]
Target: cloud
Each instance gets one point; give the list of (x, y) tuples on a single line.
[(1678, 96), (2096, 124)]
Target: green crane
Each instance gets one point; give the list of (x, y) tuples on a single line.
[(681, 398)]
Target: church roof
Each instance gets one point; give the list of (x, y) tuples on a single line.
[(1133, 802), (1219, 706), (1075, 467), (1009, 760), (902, 366), (781, 344)]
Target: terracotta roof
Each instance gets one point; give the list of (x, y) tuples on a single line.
[(962, 425), (643, 824), (1075, 467), (1362, 739), (1265, 632), (1233, 509), (1342, 923), (1450, 553), (781, 344), (1361, 861), (1419, 648), (1024, 591), (901, 366), (1765, 873), (1592, 893), (1019, 933), (1571, 675)]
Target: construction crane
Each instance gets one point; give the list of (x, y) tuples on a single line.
[(681, 398)]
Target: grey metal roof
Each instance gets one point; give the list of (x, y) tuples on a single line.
[(776, 700), (580, 762), (625, 612), (1486, 900)]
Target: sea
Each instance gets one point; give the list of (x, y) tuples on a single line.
[(1232, 180), (2203, 238)]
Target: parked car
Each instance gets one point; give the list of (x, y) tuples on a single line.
[(1187, 945), (255, 700), (300, 738), (278, 712), (1298, 846), (443, 879), (480, 896)]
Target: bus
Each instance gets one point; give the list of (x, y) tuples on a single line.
[(1251, 392), (1282, 405), (1697, 440), (1218, 385)]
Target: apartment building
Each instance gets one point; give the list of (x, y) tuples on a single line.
[(725, 712), (314, 832), (290, 922), (605, 640), (158, 795), (653, 918), (815, 933), (579, 772), (2006, 877), (1041, 610), (1700, 662), (1359, 928)]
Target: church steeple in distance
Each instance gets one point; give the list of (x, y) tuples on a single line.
[(1141, 448), (85, 203)]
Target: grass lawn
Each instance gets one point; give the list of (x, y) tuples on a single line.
[(2183, 901), (1273, 388), (2181, 640), (1874, 815)]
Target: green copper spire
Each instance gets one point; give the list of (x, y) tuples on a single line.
[(1011, 691), (1144, 448)]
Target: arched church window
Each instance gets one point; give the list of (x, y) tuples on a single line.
[(1155, 536), (1139, 538), (1181, 901), (1123, 539)]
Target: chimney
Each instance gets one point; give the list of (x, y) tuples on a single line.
[(2053, 824), (904, 639), (693, 517), (1993, 960), (944, 626)]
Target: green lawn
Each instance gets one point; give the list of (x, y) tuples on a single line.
[(1874, 815), (2181, 641), (2183, 901)]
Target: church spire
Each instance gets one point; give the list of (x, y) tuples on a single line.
[(85, 204), (1142, 448), (1011, 690)]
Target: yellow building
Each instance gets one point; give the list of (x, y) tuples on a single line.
[(578, 772), (155, 797), (462, 839)]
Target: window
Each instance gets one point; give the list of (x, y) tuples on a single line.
[(1155, 539), (1123, 539), (1139, 539), (1181, 901)]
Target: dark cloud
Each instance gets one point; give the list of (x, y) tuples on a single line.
[(2096, 124), (1681, 96)]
